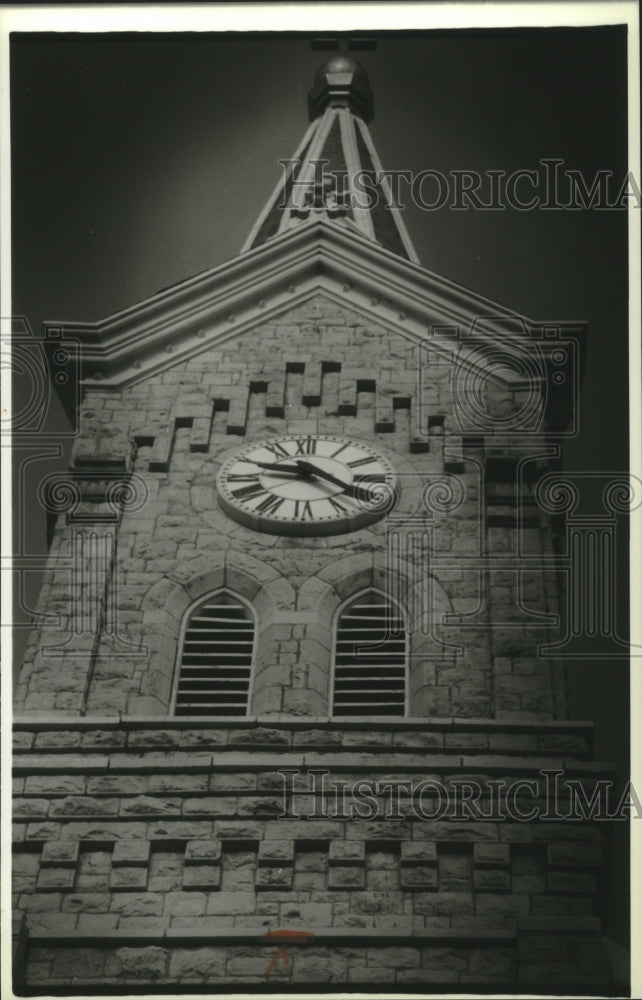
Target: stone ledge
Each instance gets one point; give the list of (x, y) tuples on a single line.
[(58, 720), (346, 758), (330, 935), (552, 925)]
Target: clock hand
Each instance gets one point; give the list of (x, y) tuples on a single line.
[(353, 491), (276, 467)]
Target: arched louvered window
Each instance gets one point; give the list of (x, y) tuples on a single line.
[(370, 658), (216, 659)]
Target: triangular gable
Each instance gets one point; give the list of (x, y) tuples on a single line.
[(256, 287)]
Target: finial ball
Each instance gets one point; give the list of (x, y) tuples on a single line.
[(341, 81)]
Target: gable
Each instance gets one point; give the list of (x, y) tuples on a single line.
[(263, 286), (318, 361)]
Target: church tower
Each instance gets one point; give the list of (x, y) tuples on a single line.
[(290, 717)]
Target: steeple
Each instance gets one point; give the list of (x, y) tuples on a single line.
[(335, 174)]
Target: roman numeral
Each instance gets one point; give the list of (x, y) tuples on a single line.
[(306, 446), (369, 477), (248, 492), (338, 506), (303, 510), (236, 477), (338, 451), (270, 505), (360, 461), (276, 449)]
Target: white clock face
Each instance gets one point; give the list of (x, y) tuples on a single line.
[(306, 485)]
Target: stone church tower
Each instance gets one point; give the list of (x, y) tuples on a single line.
[(289, 714)]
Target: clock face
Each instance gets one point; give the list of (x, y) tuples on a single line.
[(306, 485)]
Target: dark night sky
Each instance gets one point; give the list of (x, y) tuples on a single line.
[(139, 162)]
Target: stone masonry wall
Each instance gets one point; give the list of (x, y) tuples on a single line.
[(320, 368), (156, 850), (180, 856)]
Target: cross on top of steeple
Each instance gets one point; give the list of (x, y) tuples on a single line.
[(342, 82), (351, 43)]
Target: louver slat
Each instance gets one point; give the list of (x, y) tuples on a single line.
[(216, 660), (370, 659)]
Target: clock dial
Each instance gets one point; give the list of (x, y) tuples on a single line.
[(306, 485)]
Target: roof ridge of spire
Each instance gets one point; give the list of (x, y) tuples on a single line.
[(336, 173)]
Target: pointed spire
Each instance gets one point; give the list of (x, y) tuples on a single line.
[(335, 173)]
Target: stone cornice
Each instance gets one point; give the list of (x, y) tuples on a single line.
[(219, 304)]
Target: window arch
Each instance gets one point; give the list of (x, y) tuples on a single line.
[(216, 659), (370, 658)]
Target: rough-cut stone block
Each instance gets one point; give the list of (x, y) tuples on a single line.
[(99, 923), (442, 957), (153, 738), (386, 830), (60, 853), (58, 784), (302, 830), (433, 741), (57, 739), (492, 961), (128, 853), (428, 976), (55, 878), (571, 855), (444, 830), (108, 739), (444, 904), (160, 762), (251, 806), (147, 805), (247, 830), (394, 958), (231, 903), (316, 738), (366, 739), (200, 851), (276, 852), (572, 882), (274, 878), (416, 879), (259, 736), (497, 880), (87, 902), (197, 964), (346, 878), (418, 853), (205, 805), (501, 908), (78, 964), (563, 743), (203, 737), (495, 855), (79, 805), (138, 964), (26, 809), (206, 877), (175, 830), (22, 740), (137, 904), (126, 879), (346, 852)]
